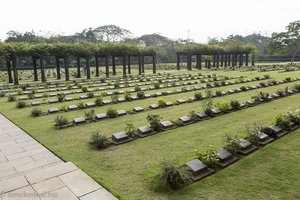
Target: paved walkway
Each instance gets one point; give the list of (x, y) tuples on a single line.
[(30, 171)]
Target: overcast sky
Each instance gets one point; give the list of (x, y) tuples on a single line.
[(174, 18)]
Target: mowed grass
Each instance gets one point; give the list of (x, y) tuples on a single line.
[(128, 170)]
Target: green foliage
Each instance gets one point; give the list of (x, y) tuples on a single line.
[(21, 104), (222, 106), (219, 93), (127, 96), (20, 91), (288, 79), (84, 89), (243, 88), (296, 87), (267, 76), (232, 143), (114, 98), (140, 94), (294, 116), (283, 121), (2, 94), (98, 101), (173, 176), (130, 129), (36, 112), (235, 104), (137, 88), (90, 114), (207, 105), (162, 103), (90, 95), (98, 140), (156, 85), (198, 96), (61, 121), (111, 113), (154, 121), (11, 98), (61, 97), (81, 105), (208, 157)]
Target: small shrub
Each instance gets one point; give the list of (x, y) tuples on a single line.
[(117, 84), (90, 95), (127, 96), (173, 176), (21, 104), (90, 114), (81, 105), (267, 76), (130, 129), (177, 122), (137, 88), (208, 157), (262, 84), (235, 104), (154, 121), (156, 85), (61, 121), (207, 106), (222, 106), (257, 78), (140, 94), (46, 95), (2, 94), (114, 98), (61, 97), (98, 101), (252, 131), (283, 121), (296, 87), (232, 144), (84, 89), (11, 98), (219, 93), (20, 91), (98, 141), (102, 80), (162, 103), (36, 112), (111, 113), (294, 116), (288, 79), (243, 88), (193, 115), (198, 96), (64, 108)]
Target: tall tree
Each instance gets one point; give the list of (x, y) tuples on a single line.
[(287, 42), (111, 33)]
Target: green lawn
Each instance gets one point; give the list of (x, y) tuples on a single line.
[(128, 170)]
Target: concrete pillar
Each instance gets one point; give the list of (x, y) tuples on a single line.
[(66, 68), (129, 64), (154, 63), (106, 66), (58, 77), (114, 65), (124, 65), (88, 71), (97, 65), (8, 66), (42, 69), (35, 73), (178, 61), (78, 67), (15, 71)]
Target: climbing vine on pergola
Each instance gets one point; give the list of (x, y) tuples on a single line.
[(226, 55), (10, 52)]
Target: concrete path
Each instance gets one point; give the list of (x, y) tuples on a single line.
[(30, 171)]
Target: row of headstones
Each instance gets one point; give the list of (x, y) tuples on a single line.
[(90, 80), (157, 94), (99, 83), (144, 131), (36, 96)]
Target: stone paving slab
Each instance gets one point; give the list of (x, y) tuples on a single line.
[(30, 171)]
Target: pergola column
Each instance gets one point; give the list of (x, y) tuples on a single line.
[(214, 60), (225, 60), (8, 66), (143, 64), (189, 62), (15, 72), (57, 68), (233, 60), (78, 67), (154, 63), (140, 64), (42, 69), (66, 68), (88, 71), (178, 61), (124, 65), (222, 60), (247, 59), (97, 65), (198, 61), (106, 66), (129, 64), (114, 65), (241, 60), (228, 58), (209, 64), (218, 59), (35, 73), (236, 59), (206, 63)]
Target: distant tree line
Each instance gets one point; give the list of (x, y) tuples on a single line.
[(281, 45)]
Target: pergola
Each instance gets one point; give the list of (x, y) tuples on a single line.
[(10, 52), (223, 56)]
